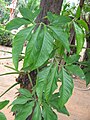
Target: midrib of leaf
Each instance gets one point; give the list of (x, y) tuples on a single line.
[(66, 88), (42, 46), (50, 81), (42, 82)]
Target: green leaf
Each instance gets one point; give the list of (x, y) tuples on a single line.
[(18, 44), (83, 24), (46, 82), (79, 37), (87, 73), (16, 23), (76, 70), (25, 92), (53, 101), (60, 48), (20, 100), (38, 49), (66, 88), (61, 35), (87, 78), (17, 107), (48, 113), (25, 112), (37, 113), (78, 12), (57, 19), (72, 59), (51, 82), (28, 14), (41, 81), (2, 116), (3, 104)]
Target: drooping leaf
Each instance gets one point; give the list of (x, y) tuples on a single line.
[(61, 35), (41, 81), (87, 78), (20, 100), (3, 104), (16, 23), (46, 82), (28, 14), (31, 50), (18, 44), (57, 19), (38, 49), (66, 88), (72, 59), (76, 70), (83, 24), (87, 74), (53, 101), (51, 82), (48, 113), (37, 113), (60, 48), (2, 116), (17, 107), (27, 110), (78, 12), (79, 37), (25, 92)]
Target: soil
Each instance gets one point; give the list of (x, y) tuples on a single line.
[(78, 105)]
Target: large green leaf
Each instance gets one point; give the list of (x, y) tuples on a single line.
[(46, 82), (18, 44), (60, 50), (53, 101), (2, 116), (16, 23), (3, 104), (20, 100), (51, 84), (76, 70), (25, 92), (87, 76), (83, 24), (17, 107), (48, 113), (61, 35), (38, 49), (28, 14), (25, 112), (66, 87), (72, 59), (78, 12), (57, 19), (79, 37), (87, 72), (41, 81), (37, 112)]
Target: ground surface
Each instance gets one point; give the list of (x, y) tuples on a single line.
[(78, 105)]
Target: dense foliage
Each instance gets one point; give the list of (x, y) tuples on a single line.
[(49, 53)]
